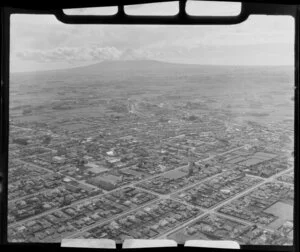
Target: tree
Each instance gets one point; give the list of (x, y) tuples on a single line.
[(26, 111), (20, 141), (47, 140)]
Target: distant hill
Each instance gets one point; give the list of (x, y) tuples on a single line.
[(151, 73), (131, 66)]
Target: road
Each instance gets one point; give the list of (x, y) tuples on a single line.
[(100, 195), (212, 210), (204, 211)]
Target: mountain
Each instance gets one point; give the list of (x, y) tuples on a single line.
[(152, 66), (129, 66), (151, 72), (110, 66)]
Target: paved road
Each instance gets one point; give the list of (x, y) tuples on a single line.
[(212, 210), (85, 199), (205, 211)]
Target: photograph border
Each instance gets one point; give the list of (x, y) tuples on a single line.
[(249, 8)]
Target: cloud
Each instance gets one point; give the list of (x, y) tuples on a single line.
[(105, 53), (74, 55), (41, 42), (131, 54), (70, 54)]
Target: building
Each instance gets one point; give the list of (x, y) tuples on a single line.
[(106, 182)]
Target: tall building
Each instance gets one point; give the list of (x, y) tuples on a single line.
[(192, 167)]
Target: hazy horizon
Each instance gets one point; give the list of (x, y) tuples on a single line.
[(147, 60), (41, 42)]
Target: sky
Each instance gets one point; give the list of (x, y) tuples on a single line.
[(41, 42)]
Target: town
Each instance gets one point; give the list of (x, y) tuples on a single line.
[(147, 163)]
